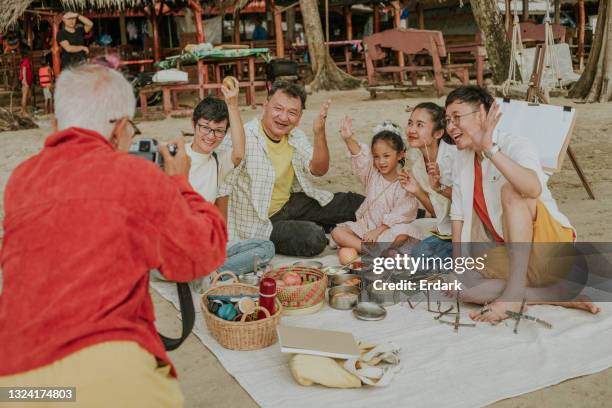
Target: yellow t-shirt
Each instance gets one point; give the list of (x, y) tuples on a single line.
[(280, 154)]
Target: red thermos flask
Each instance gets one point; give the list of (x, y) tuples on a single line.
[(267, 296)]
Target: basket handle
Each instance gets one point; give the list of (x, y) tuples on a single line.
[(216, 278), (263, 309)]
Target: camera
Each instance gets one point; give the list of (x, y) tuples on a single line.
[(148, 149)]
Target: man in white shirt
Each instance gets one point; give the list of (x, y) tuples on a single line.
[(211, 119), (500, 195)]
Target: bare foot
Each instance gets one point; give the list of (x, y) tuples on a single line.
[(581, 302), (496, 311)]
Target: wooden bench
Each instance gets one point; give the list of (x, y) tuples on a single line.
[(411, 43), (170, 95)]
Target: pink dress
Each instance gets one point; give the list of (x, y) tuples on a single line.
[(385, 203)]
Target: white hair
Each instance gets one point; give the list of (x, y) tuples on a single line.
[(90, 96)]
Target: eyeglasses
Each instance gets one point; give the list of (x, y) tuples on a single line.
[(134, 127), (206, 130), (456, 119)]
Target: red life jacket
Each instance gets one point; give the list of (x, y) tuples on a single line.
[(44, 76)]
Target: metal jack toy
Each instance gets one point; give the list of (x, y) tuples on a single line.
[(520, 315), (457, 323)]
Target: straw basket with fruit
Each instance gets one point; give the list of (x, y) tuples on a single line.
[(300, 289)]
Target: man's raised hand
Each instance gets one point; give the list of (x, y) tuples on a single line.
[(488, 123), (319, 123), (230, 93)]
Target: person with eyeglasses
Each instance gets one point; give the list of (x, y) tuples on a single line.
[(212, 119), (84, 224), (500, 196)]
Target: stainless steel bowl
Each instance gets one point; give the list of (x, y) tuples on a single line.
[(382, 297), (343, 297), (334, 270), (341, 280), (309, 264), (250, 278), (369, 311)]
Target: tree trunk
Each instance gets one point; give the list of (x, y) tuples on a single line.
[(327, 75), (491, 24), (594, 84)]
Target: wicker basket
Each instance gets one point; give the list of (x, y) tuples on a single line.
[(310, 293), (240, 335)]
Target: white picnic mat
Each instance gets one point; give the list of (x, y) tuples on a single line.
[(441, 368)]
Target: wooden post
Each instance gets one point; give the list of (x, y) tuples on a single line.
[(525, 10), (278, 32), (348, 22), (197, 15), (509, 18), (581, 24), (396, 24), (557, 11), (236, 26), (122, 28), (27, 21), (155, 33), (376, 18), (55, 49), (420, 15), (290, 19)]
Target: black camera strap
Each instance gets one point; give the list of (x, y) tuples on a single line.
[(185, 302), (187, 317)]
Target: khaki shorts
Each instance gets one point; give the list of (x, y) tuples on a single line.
[(112, 374), (551, 258), (47, 93)]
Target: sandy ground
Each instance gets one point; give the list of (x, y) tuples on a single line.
[(203, 379)]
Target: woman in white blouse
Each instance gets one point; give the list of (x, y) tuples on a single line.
[(431, 156)]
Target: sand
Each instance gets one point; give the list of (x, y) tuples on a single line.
[(203, 379)]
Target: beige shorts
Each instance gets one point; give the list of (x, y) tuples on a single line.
[(111, 374)]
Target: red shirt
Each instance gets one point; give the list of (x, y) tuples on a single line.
[(480, 206), (83, 226), (29, 76)]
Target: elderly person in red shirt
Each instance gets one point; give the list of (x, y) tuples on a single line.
[(84, 223)]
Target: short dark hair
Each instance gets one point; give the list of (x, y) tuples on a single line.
[(289, 88), (438, 117), (212, 109), (472, 94), (25, 50)]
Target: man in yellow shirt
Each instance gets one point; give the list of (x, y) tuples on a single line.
[(270, 193)]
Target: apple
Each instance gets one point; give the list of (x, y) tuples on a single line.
[(292, 279)]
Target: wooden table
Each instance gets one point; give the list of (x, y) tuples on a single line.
[(170, 90), (346, 44), (216, 64), (479, 53), (410, 43)]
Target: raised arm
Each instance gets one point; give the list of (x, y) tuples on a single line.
[(320, 157), (87, 23), (346, 130), (237, 129), (524, 180)]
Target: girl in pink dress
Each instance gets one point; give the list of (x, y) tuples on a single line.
[(388, 208)]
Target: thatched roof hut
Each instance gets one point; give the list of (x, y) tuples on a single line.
[(13, 9)]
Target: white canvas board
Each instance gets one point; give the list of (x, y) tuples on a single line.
[(548, 127)]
